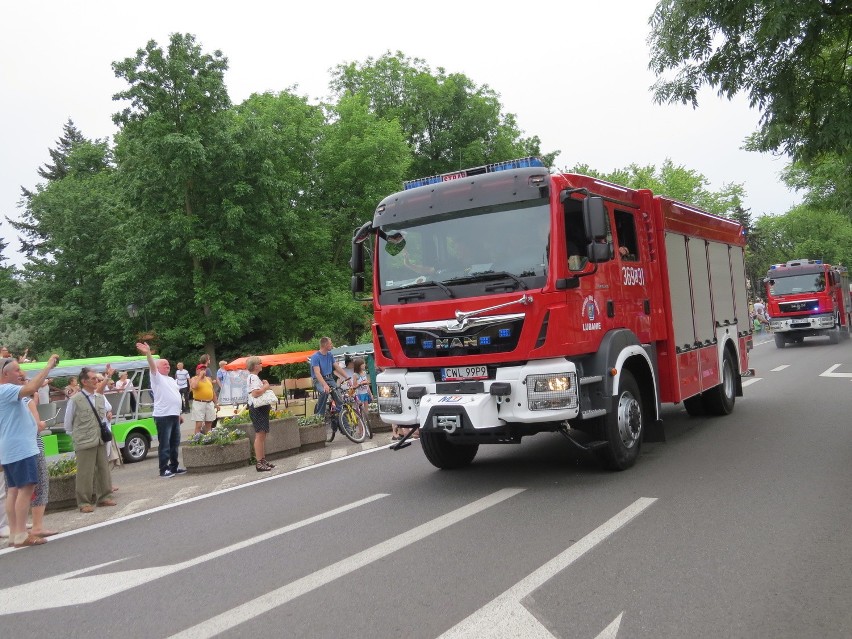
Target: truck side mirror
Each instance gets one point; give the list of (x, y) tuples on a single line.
[(356, 262), (357, 284), (594, 223), (594, 218)]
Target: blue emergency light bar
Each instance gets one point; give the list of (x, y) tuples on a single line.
[(508, 165), (795, 263)]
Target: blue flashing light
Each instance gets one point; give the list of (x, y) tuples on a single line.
[(508, 165), (485, 340), (428, 344), (504, 332), (410, 340)]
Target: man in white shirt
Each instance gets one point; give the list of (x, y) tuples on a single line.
[(167, 412)]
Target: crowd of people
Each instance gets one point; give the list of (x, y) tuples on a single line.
[(24, 481)]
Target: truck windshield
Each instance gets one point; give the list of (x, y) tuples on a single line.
[(514, 241), (792, 284)]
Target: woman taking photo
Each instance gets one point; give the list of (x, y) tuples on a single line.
[(259, 415)]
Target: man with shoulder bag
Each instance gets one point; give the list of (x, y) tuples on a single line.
[(87, 415)]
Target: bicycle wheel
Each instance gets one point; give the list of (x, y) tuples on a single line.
[(352, 424)]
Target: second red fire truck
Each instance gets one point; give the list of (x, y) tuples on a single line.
[(806, 298), (511, 301)]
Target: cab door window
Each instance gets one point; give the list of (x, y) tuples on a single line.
[(625, 235)]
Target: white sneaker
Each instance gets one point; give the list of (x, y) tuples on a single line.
[(4, 531)]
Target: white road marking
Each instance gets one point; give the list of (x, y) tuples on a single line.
[(134, 506), (259, 605), (830, 372), (750, 381), (779, 368), (230, 482), (503, 616), (70, 591), (185, 493), (611, 631)]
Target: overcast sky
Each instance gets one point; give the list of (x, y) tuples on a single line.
[(574, 73)]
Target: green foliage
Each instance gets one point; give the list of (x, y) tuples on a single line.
[(310, 420), (448, 121), (790, 57), (62, 467), (678, 182), (219, 436)]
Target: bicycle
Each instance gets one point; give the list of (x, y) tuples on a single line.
[(345, 413)]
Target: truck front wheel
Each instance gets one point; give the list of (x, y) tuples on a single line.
[(780, 342), (624, 426), (442, 454)]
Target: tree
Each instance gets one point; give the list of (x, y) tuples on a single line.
[(677, 182), (69, 226), (8, 283), (172, 134), (791, 57), (448, 121)]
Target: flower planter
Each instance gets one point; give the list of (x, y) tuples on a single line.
[(62, 492), (376, 423), (282, 439), (212, 458), (312, 436)]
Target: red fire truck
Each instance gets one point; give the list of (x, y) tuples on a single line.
[(511, 301), (805, 298)]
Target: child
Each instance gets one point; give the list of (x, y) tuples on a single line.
[(364, 394)]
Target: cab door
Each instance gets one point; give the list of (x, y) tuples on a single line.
[(633, 309)]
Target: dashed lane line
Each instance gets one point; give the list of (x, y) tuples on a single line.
[(750, 381)]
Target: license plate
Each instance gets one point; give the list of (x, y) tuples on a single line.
[(464, 372)]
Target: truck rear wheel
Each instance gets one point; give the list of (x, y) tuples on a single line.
[(442, 454), (780, 342), (720, 399), (624, 426)]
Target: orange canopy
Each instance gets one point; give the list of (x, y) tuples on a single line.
[(272, 360)]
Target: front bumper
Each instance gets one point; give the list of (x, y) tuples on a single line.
[(811, 323)]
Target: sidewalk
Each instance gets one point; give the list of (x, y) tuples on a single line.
[(141, 488)]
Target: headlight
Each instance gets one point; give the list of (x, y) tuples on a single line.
[(552, 391), (389, 397)]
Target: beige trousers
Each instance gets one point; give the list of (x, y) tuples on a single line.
[(93, 476)]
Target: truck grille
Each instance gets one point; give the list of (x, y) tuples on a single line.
[(800, 306), (479, 340)]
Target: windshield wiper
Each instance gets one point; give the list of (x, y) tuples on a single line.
[(488, 275), (440, 285)]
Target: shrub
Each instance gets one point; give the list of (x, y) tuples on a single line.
[(63, 467), (310, 420), (219, 436)]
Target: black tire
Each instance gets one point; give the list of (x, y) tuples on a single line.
[(352, 424), (834, 335), (624, 426), (720, 399), (694, 406), (780, 342), (445, 455), (136, 446)]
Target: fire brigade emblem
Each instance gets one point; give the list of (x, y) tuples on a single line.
[(590, 313)]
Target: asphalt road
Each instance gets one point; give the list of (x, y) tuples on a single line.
[(734, 527)]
